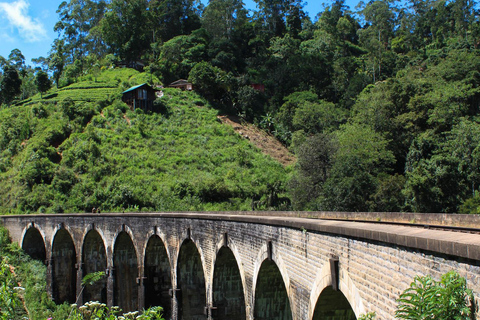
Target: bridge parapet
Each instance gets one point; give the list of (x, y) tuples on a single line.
[(369, 263)]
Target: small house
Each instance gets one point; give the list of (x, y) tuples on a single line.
[(181, 84), (141, 96)]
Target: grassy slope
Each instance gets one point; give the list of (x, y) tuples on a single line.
[(70, 156)]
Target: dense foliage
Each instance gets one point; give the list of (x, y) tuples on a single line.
[(429, 299), (22, 284), (426, 298), (23, 292), (387, 95)]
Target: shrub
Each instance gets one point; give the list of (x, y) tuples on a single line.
[(367, 316), (426, 298)]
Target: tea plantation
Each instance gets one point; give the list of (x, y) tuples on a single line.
[(80, 147)]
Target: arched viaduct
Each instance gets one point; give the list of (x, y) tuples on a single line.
[(244, 266)]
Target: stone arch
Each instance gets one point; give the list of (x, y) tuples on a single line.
[(125, 273), (100, 231), (347, 288), (156, 231), (332, 304), (157, 275), (94, 259), (33, 244), (191, 289), (222, 242), (263, 255), (122, 228), (228, 295), (271, 286), (63, 266)]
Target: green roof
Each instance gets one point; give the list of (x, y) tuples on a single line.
[(134, 88)]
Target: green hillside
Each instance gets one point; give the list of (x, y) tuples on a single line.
[(80, 147)]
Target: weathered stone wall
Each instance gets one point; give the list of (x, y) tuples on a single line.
[(374, 266)]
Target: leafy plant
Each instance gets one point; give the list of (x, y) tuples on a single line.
[(367, 316), (93, 310), (8, 297), (89, 280), (426, 298)]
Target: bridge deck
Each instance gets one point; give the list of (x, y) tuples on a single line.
[(461, 244), (393, 228)]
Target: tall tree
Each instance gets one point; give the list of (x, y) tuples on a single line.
[(171, 18), (10, 85), (361, 157), (17, 59), (42, 82), (315, 160), (77, 20), (56, 60), (380, 19), (273, 14), (125, 28), (222, 17)]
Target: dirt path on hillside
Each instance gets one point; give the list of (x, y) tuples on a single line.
[(261, 139)]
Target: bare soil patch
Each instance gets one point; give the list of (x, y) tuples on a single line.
[(261, 139)]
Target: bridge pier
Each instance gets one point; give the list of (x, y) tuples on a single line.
[(79, 294), (49, 279), (231, 277), (141, 293), (110, 286)]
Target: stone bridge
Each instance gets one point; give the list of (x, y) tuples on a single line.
[(239, 265)]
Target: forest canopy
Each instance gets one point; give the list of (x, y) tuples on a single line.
[(380, 103)]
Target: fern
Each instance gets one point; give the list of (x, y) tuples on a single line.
[(426, 299)]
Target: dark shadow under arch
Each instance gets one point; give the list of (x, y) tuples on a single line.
[(64, 273), (228, 297), (191, 296), (33, 245), (125, 275), (271, 299), (157, 276), (94, 259), (332, 305)]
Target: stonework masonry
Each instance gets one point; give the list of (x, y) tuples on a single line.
[(375, 262)]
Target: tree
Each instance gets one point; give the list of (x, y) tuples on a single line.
[(377, 34), (222, 17), (317, 117), (180, 54), (208, 80), (125, 28), (316, 156), (78, 19), (249, 103), (442, 169), (43, 82), (433, 183), (361, 157), (10, 84), (171, 18), (56, 60), (273, 15), (17, 59), (292, 103)]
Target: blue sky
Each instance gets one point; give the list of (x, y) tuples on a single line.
[(28, 24)]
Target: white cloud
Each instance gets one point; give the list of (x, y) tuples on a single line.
[(16, 12)]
